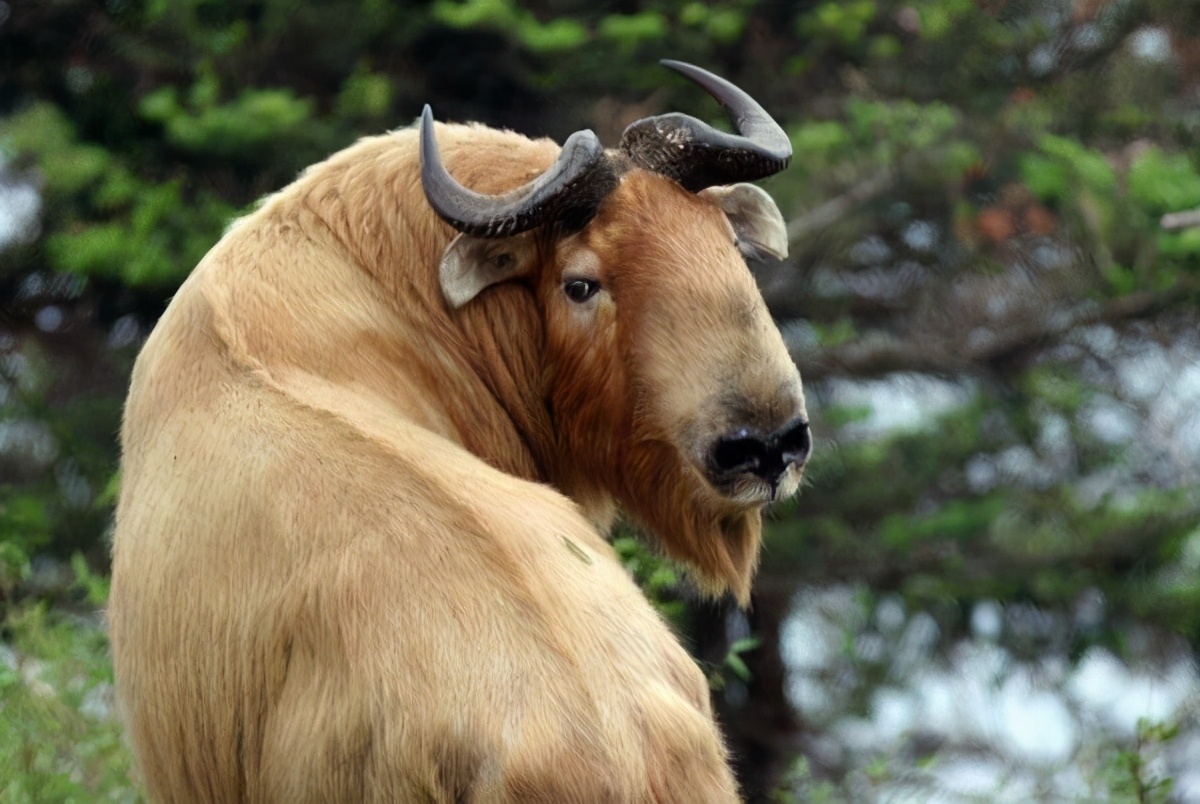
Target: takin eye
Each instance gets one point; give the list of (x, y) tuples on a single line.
[(580, 290)]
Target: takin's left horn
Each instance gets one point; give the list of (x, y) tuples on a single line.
[(568, 192)]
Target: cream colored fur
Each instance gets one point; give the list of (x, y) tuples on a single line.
[(342, 570)]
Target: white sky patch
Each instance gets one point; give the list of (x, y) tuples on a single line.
[(893, 713), (1145, 376), (1157, 697), (872, 250), (1087, 37), (1101, 340), (920, 236), (1042, 59), (987, 620), (971, 776), (1110, 421), (1150, 403), (49, 319), (1037, 726), (20, 208), (1151, 44), (1163, 382), (899, 403), (1009, 729), (32, 440)]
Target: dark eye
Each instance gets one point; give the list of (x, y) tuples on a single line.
[(580, 290)]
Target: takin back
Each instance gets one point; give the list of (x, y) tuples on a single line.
[(373, 448)]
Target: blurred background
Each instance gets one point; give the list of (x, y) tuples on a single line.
[(989, 589)]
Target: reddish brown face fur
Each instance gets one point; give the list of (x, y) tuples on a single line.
[(674, 352)]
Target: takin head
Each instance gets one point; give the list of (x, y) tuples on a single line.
[(669, 387)]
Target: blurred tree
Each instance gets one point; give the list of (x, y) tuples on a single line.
[(996, 331)]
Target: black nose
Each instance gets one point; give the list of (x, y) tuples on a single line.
[(767, 457)]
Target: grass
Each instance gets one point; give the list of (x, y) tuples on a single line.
[(60, 740)]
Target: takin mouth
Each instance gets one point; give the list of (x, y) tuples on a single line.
[(748, 490)]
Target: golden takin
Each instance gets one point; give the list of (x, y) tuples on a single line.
[(373, 448)]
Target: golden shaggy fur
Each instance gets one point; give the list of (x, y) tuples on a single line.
[(360, 550)]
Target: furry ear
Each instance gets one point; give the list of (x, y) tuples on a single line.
[(470, 265), (756, 220)]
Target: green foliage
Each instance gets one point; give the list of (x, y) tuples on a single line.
[(733, 659), (472, 13), (1054, 385), (800, 785), (255, 121), (1062, 167), (153, 246), (60, 741), (895, 126), (67, 166), (626, 32), (1163, 182), (837, 332), (820, 139), (658, 577), (92, 585), (956, 520), (723, 24), (365, 96), (844, 23), (631, 30), (938, 18), (1129, 776), (555, 36), (111, 223), (24, 528)]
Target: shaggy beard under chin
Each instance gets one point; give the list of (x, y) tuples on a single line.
[(717, 538)]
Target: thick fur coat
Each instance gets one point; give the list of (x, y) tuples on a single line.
[(360, 549)]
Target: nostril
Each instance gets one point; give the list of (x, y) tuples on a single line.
[(793, 441), (738, 453), (746, 453)]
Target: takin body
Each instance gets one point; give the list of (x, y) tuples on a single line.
[(369, 466)]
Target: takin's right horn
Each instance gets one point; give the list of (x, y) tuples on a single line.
[(697, 155)]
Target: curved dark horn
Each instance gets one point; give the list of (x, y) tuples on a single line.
[(697, 155), (568, 192)]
